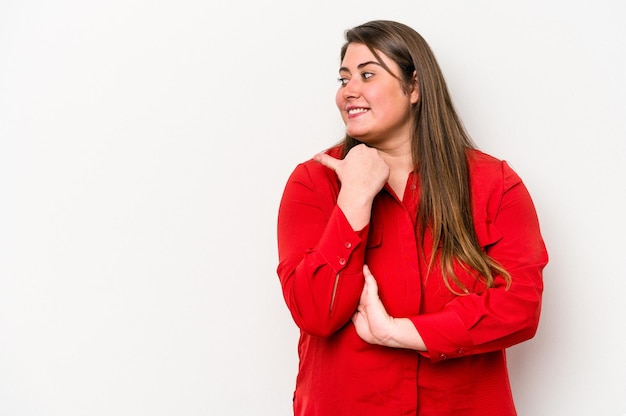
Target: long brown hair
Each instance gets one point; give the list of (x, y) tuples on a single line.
[(439, 148)]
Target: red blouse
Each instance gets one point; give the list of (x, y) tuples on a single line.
[(464, 371)]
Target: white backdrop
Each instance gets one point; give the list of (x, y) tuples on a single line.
[(143, 151)]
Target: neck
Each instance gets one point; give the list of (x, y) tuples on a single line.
[(398, 158), (400, 162)]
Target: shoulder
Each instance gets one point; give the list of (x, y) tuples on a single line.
[(490, 178), (479, 161), (485, 169), (318, 170), (315, 176)]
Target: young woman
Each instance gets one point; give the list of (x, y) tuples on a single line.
[(408, 259)]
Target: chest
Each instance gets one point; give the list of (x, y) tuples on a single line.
[(400, 259)]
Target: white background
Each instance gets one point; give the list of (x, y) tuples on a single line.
[(144, 147)]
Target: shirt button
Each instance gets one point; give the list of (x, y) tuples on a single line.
[(342, 261), (461, 351), (347, 244), (443, 356)]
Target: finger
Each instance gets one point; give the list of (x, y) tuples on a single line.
[(366, 270), (327, 160), (363, 298), (367, 275), (370, 280)]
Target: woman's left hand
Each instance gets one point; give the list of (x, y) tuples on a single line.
[(375, 326), (371, 320)]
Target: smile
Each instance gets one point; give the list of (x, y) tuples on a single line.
[(353, 111)]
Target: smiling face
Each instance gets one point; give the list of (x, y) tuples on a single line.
[(372, 102)]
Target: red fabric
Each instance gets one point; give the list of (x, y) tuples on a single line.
[(320, 269)]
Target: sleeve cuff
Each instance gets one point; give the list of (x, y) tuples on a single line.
[(341, 246), (444, 334)]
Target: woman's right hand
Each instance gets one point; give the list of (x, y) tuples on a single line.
[(362, 174)]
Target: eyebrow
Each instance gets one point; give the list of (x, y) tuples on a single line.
[(359, 66)]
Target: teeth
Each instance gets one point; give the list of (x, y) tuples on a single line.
[(357, 110)]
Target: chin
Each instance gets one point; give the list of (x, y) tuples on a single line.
[(356, 134)]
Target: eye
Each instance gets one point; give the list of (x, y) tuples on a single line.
[(367, 75), (343, 81)]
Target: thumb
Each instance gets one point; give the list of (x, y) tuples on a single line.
[(367, 273), (370, 281), (327, 160)]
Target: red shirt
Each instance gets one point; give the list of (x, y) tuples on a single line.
[(464, 371)]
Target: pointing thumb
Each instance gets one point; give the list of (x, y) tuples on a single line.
[(327, 160)]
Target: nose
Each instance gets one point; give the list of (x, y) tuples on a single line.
[(351, 89)]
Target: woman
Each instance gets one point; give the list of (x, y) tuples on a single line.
[(408, 259)]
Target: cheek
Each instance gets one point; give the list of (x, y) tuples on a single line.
[(339, 101)]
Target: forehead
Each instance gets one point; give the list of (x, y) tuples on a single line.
[(359, 54)]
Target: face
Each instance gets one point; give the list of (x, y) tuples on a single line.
[(372, 102)]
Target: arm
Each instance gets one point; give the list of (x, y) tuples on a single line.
[(498, 317), (491, 320), (321, 255), (376, 326)]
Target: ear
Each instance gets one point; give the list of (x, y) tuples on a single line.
[(414, 95)]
